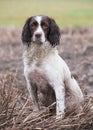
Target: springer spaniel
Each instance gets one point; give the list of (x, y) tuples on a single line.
[(44, 69)]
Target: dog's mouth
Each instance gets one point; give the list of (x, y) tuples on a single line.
[(38, 41)]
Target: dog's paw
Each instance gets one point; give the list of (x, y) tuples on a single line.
[(60, 115), (36, 108)]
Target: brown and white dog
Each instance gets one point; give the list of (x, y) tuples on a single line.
[(42, 63)]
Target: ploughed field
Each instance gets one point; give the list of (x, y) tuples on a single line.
[(76, 48)]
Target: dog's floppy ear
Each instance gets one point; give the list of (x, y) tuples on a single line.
[(26, 32), (54, 33)]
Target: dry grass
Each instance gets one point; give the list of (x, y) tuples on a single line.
[(16, 110)]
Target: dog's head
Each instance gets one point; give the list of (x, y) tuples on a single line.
[(40, 29)]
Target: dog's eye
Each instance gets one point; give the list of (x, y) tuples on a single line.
[(34, 25), (44, 25)]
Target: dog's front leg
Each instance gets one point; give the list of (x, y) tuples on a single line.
[(60, 101), (33, 95)]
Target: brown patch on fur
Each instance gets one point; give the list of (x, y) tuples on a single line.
[(47, 95)]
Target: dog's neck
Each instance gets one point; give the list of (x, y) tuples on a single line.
[(37, 52)]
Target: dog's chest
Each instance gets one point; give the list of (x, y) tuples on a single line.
[(40, 64), (36, 54)]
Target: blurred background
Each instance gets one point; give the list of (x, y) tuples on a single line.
[(66, 12)]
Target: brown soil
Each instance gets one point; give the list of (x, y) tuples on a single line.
[(76, 49)]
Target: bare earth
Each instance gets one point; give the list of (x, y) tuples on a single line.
[(76, 48)]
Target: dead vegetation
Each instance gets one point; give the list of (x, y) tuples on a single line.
[(16, 111), (15, 107)]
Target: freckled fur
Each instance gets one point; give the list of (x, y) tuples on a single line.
[(37, 52)]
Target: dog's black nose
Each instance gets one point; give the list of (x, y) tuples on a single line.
[(38, 35)]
